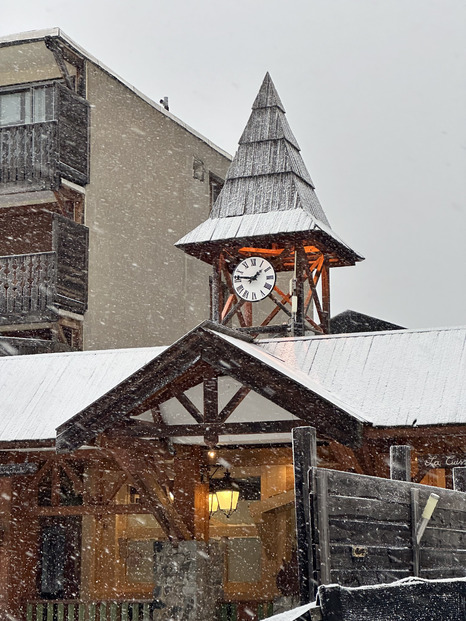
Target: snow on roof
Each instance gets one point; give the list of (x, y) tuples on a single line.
[(294, 373), (393, 378), (40, 392), (39, 35)]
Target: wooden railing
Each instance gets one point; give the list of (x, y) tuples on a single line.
[(29, 156), (115, 610), (27, 285), (112, 610), (244, 611)]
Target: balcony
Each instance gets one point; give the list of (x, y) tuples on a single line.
[(35, 285), (37, 151)]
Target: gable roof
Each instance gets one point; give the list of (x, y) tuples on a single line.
[(394, 378), (40, 392), (268, 191), (337, 383), (57, 33), (350, 321)]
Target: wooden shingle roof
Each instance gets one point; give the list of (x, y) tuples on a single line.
[(266, 178)]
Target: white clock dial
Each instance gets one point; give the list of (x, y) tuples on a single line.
[(254, 279)]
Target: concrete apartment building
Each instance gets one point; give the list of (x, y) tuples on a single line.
[(97, 182)]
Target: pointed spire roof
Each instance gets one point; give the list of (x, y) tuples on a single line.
[(268, 190)]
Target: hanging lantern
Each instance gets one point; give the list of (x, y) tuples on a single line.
[(226, 493)]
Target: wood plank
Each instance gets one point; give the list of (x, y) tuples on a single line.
[(415, 515), (367, 508), (400, 463), (321, 493), (304, 458), (376, 557), (189, 407), (150, 483), (233, 403), (369, 532)]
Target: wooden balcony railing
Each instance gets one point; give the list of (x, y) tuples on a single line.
[(34, 156), (89, 611), (28, 286), (28, 156), (34, 286)]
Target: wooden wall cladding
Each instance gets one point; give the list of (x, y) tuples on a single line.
[(363, 530)]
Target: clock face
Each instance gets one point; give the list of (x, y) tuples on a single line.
[(254, 279)]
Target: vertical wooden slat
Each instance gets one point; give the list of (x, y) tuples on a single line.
[(323, 526), (50, 611), (103, 611), (81, 612), (60, 612), (400, 463), (71, 612), (29, 612), (113, 611), (124, 611), (459, 479), (304, 458), (91, 612), (414, 521)]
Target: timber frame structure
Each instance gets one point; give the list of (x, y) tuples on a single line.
[(268, 208)]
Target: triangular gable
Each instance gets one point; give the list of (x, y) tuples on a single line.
[(204, 355)]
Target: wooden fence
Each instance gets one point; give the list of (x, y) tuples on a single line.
[(89, 611), (359, 530)]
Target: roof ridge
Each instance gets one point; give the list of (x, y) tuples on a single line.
[(267, 96), (358, 334)]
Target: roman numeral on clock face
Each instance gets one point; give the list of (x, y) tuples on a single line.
[(253, 279)]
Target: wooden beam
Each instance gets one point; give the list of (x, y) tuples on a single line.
[(233, 403), (117, 404), (326, 296), (143, 429), (190, 407), (132, 457), (304, 458), (210, 400)]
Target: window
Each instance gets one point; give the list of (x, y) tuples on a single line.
[(30, 105)]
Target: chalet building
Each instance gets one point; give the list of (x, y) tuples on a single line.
[(116, 464), (97, 182)]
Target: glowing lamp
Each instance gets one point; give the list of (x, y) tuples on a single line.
[(227, 494), (213, 503)]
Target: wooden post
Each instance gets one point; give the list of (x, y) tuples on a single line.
[(211, 400), (325, 280), (459, 479), (400, 463), (414, 522), (216, 290), (304, 458)]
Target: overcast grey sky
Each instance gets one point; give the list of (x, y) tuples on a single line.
[(375, 93)]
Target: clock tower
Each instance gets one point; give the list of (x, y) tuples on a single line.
[(267, 237)]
